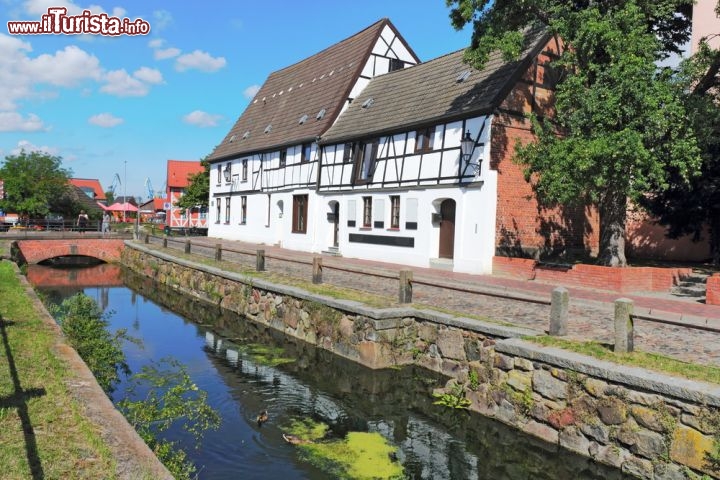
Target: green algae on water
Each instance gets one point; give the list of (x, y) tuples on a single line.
[(308, 429), (358, 456), (266, 355)]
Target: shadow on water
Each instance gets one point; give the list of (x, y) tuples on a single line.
[(241, 365), (18, 400)]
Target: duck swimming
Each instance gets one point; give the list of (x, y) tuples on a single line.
[(295, 440), (262, 418)]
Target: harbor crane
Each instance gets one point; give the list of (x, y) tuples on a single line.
[(115, 183)]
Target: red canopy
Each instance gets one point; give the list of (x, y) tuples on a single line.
[(122, 207)]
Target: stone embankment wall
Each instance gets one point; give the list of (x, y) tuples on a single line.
[(649, 425)]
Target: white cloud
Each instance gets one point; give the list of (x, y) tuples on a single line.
[(161, 19), (122, 84), (29, 147), (20, 74), (39, 7), (199, 60), (105, 120), (15, 122), (148, 75), (156, 43), (65, 68), (251, 91), (202, 119), (165, 53)]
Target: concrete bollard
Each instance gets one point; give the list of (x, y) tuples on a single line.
[(147, 238), (218, 252), (559, 302), (187, 246), (405, 287), (260, 260), (317, 270), (165, 242), (623, 325)]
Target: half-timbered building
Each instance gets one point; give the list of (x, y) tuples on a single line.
[(418, 169), (178, 179), (264, 172)]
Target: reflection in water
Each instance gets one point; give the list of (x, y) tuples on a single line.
[(220, 351)]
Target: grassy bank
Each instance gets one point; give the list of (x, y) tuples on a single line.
[(42, 431)]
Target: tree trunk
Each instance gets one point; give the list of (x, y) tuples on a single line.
[(613, 215)]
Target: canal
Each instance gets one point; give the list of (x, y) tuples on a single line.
[(247, 368)]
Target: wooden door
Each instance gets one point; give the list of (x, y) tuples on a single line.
[(447, 229)]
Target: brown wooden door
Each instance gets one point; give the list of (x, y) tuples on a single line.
[(447, 229)]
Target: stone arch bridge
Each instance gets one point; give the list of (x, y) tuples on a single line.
[(38, 250)]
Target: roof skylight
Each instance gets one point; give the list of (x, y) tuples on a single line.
[(246, 134), (320, 114), (231, 139), (268, 129), (463, 76), (368, 103), (303, 119)]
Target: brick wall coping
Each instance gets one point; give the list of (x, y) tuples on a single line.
[(383, 318), (635, 377)]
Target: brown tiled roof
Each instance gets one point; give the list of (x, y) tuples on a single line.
[(429, 93), (322, 81)]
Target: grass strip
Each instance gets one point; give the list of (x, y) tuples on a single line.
[(42, 431), (650, 361)]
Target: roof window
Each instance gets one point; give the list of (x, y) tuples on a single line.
[(463, 76), (268, 129), (368, 103), (303, 119)]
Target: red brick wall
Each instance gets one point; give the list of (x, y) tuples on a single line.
[(712, 294), (522, 224), (628, 279), (35, 251)]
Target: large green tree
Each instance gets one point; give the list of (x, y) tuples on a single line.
[(33, 183), (620, 127), (197, 193), (690, 208)]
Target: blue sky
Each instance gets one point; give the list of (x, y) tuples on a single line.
[(125, 105)]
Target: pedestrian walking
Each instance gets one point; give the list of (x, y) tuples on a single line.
[(82, 221), (105, 223)]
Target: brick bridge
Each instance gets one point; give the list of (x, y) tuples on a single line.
[(37, 250)]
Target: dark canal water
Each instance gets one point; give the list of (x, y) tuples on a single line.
[(433, 442)]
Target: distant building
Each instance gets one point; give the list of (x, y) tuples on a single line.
[(178, 175), (153, 211), (90, 187)]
